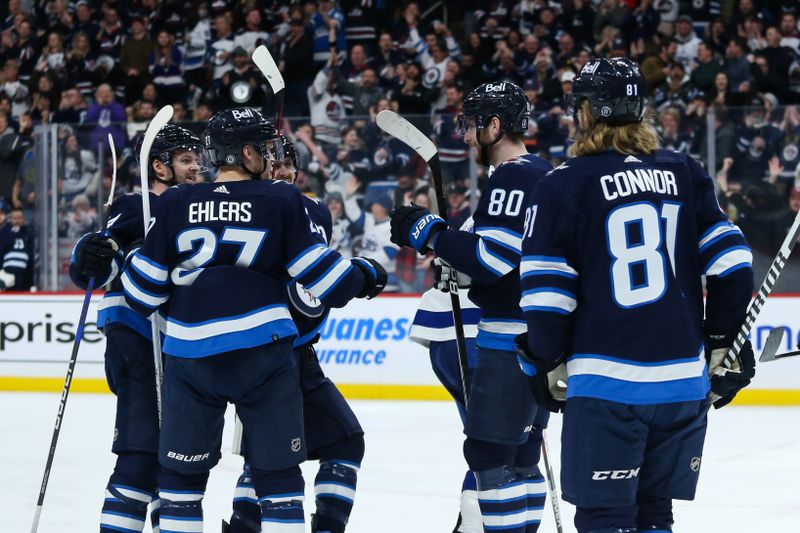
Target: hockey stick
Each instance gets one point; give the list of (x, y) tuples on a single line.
[(266, 64), (754, 309), (73, 358), (161, 119), (551, 483), (773, 343), (403, 130)]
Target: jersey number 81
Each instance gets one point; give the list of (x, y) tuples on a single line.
[(635, 235)]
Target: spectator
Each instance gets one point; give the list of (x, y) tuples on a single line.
[(362, 23), (297, 53), (71, 108), (11, 150), (738, 68), (453, 153), (675, 90), (408, 185), (107, 115), (134, 60), (252, 35), (386, 59), (611, 13), (78, 171), (221, 48), (194, 67), (328, 27), (53, 61), (656, 67), (165, 64), (111, 34), (27, 49), (375, 241), (688, 42), (143, 112), (578, 21), (15, 88), (81, 219), (780, 59), (18, 258), (327, 108), (80, 63), (790, 37), (241, 86), (669, 129), (361, 95), (43, 100), (717, 36), (458, 209), (84, 22), (341, 238), (356, 158), (708, 66)]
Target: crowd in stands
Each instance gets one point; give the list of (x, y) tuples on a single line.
[(721, 71)]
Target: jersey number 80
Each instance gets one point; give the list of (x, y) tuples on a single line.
[(635, 235)]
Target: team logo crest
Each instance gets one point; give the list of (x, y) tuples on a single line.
[(694, 464), (334, 111), (230, 159), (240, 92), (605, 111), (790, 152), (296, 444), (305, 302)]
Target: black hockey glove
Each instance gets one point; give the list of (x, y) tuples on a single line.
[(548, 385), (444, 274), (414, 226), (94, 255), (727, 382), (375, 277)]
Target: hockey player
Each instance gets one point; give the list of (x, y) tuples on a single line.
[(176, 157), (219, 254), (500, 447), (16, 253), (617, 242), (333, 433)]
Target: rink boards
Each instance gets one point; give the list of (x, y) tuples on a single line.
[(364, 348)]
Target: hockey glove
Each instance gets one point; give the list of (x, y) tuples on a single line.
[(727, 382), (375, 277), (94, 255), (548, 385), (444, 274), (415, 226), (7, 280)]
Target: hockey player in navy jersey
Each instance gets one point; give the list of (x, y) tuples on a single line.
[(16, 253), (618, 240), (333, 433), (176, 157), (219, 255), (502, 447)]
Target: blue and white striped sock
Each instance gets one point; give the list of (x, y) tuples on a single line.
[(181, 511), (335, 491), (124, 509), (155, 514), (503, 500), (246, 510), (471, 521), (282, 513), (537, 494)]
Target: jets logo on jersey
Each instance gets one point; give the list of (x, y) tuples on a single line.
[(305, 302)]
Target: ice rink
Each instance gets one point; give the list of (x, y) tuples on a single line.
[(411, 475)]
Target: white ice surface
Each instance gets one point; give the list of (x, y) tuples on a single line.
[(411, 474)]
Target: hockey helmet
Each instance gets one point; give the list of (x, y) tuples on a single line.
[(504, 100), (615, 89), (170, 139), (230, 130)]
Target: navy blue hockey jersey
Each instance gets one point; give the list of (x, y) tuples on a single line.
[(491, 253), (308, 312), (611, 273), (217, 257), (16, 255), (126, 225)]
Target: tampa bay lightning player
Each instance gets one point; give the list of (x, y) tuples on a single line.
[(176, 157), (333, 433), (502, 447), (217, 258), (618, 240)]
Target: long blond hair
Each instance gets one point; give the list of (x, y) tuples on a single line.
[(594, 137)]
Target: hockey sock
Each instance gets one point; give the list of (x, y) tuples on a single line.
[(536, 490), (606, 519), (280, 495), (502, 499), (181, 501), (655, 514), (246, 511), (334, 493), (129, 491), (471, 521)]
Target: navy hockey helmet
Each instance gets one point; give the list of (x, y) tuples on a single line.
[(286, 169), (230, 130), (615, 89), (169, 140), (504, 100), (289, 151)]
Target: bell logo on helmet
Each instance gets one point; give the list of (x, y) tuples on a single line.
[(590, 68), (239, 114), (495, 88)]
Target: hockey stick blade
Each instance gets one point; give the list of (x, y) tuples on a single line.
[(772, 344), (263, 60), (403, 130)]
